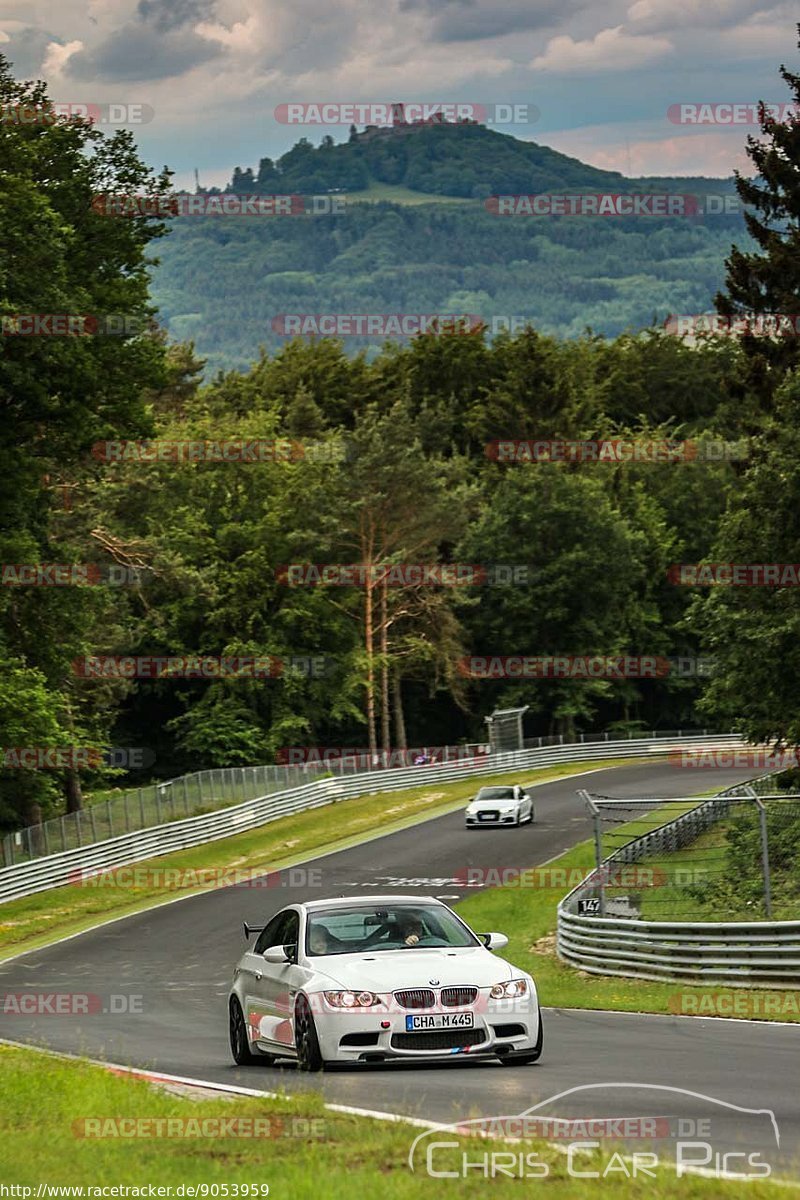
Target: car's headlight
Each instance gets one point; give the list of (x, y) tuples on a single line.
[(352, 999), (510, 990)]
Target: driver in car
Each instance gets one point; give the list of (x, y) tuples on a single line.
[(319, 942), (412, 931)]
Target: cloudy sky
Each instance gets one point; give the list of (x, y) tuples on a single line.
[(602, 74)]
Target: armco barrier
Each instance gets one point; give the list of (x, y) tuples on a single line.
[(54, 870), (753, 954)]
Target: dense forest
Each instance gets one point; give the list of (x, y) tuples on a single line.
[(226, 284), (376, 460)]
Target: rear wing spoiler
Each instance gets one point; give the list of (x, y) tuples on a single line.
[(248, 929)]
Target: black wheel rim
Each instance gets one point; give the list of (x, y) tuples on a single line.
[(302, 1032), (238, 1032)]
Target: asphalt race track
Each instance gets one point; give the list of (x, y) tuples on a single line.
[(179, 959)]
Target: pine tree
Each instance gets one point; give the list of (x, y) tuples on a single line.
[(767, 280)]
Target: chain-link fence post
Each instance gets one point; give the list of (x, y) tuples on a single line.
[(598, 847), (762, 820)]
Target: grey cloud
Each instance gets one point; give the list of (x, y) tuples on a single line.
[(469, 20), (25, 50), (137, 52), (165, 15)]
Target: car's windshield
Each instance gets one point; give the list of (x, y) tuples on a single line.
[(393, 927), (496, 793)]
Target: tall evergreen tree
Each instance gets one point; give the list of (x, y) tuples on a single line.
[(767, 280)]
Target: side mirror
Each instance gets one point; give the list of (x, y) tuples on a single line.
[(494, 941), (275, 954)]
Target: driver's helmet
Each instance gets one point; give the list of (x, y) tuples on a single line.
[(318, 941)]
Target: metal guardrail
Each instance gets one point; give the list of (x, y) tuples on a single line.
[(753, 954), (55, 870), (195, 794), (222, 787)]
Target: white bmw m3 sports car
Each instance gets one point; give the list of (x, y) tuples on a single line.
[(374, 978)]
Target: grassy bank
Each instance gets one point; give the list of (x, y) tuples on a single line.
[(304, 1151), (37, 920)]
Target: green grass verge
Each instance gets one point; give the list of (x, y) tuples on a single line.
[(313, 1153), (43, 918), (526, 913)]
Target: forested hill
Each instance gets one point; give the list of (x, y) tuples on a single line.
[(415, 234), (466, 161)]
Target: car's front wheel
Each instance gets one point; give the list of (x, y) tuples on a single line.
[(527, 1056), (309, 1055)]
